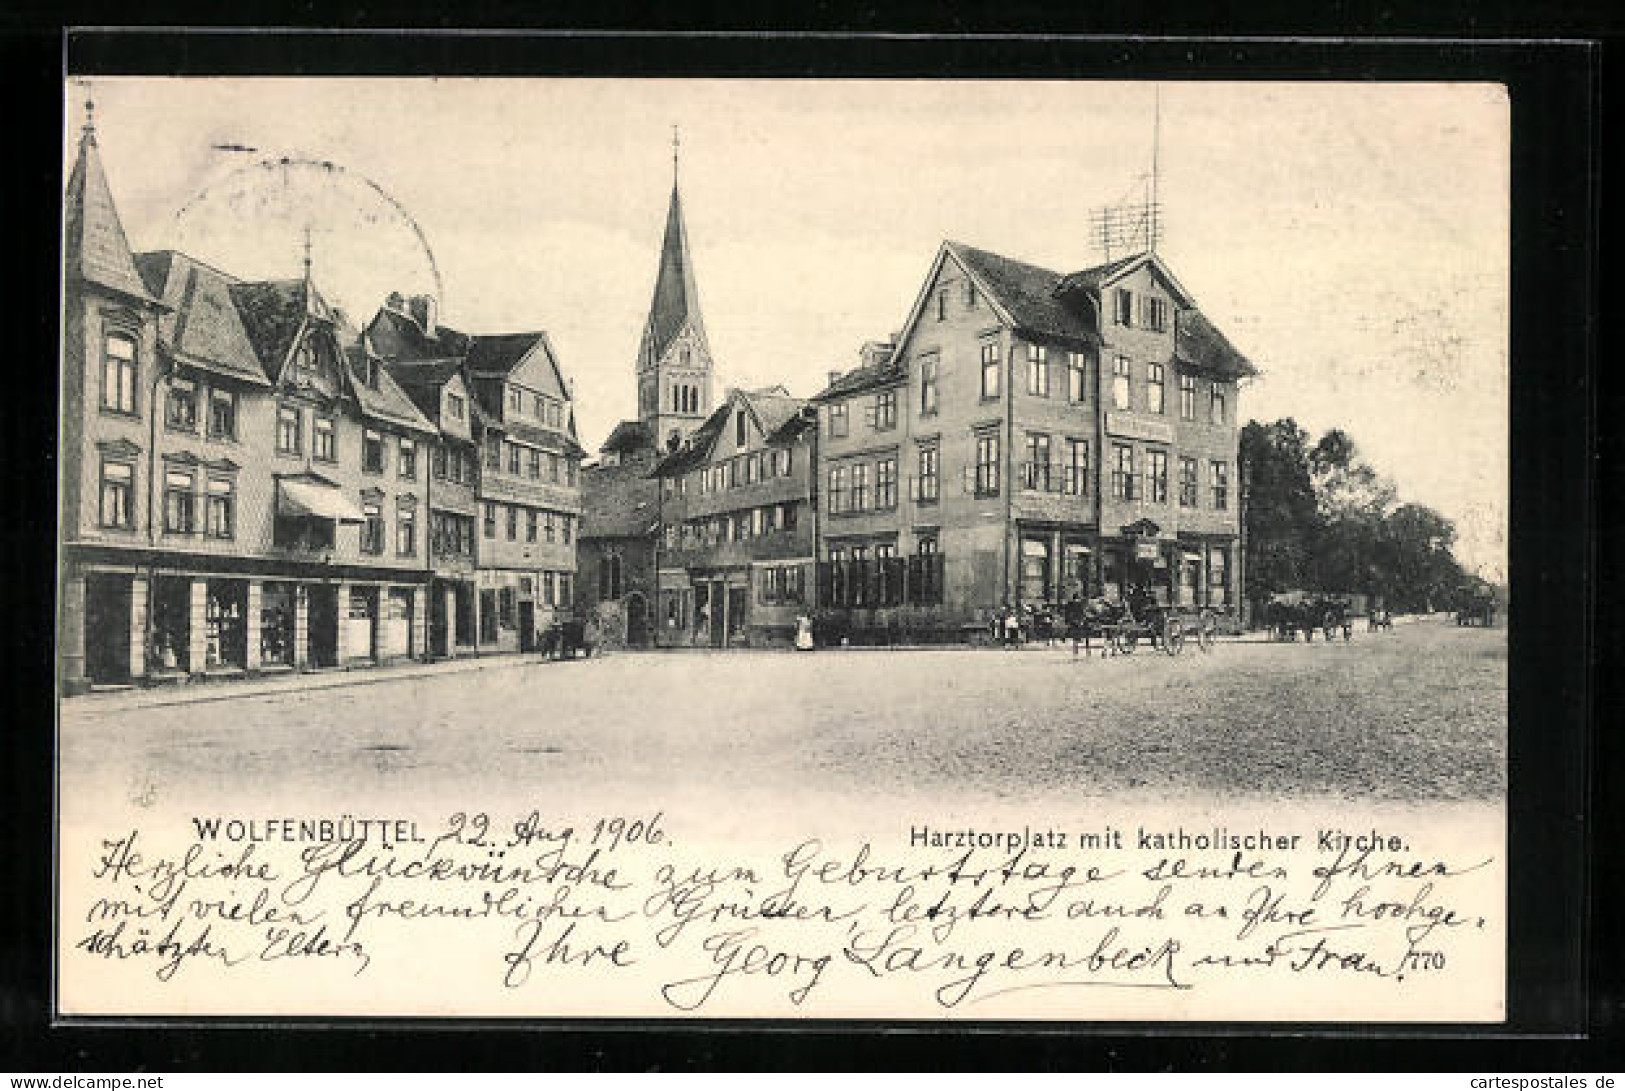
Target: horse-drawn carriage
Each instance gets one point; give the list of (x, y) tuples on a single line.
[(1475, 605), (1293, 612), (1122, 624)]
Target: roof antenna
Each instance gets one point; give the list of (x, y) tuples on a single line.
[(90, 114), (1154, 213), (307, 255), (676, 141)]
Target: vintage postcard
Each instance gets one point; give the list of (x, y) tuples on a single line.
[(783, 549)]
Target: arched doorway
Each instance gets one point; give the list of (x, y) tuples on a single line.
[(637, 621)]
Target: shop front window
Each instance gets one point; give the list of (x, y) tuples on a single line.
[(276, 625), (225, 618)]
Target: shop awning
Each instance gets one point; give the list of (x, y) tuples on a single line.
[(313, 500)]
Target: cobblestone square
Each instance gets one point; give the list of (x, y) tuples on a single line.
[(1413, 716)]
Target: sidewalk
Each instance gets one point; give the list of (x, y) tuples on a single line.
[(190, 693)]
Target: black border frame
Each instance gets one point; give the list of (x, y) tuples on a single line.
[(1556, 410)]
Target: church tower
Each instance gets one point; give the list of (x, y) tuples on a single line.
[(674, 358)]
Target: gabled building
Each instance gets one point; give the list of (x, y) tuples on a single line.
[(1038, 435), (737, 517), (529, 488), (506, 499)]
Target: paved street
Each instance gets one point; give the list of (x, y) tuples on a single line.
[(1417, 715)]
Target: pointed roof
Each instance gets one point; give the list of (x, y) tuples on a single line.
[(94, 247), (676, 301), (273, 313), (203, 328), (1098, 276)]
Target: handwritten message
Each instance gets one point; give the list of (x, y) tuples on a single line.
[(944, 920)]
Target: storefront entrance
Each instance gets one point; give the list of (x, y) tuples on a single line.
[(637, 621), (527, 625), (463, 609), (171, 625), (738, 613), (439, 621), (107, 628), (323, 625)]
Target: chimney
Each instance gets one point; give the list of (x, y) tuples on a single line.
[(834, 377), (394, 302), (875, 352)]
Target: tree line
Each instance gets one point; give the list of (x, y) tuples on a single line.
[(1319, 518)]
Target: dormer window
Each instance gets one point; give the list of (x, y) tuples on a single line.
[(516, 399), (739, 428), (455, 407), (181, 408)]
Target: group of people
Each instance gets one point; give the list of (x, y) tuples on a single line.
[(1012, 626)]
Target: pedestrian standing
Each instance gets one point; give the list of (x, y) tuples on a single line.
[(1072, 612)]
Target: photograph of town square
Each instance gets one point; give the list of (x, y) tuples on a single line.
[(299, 455)]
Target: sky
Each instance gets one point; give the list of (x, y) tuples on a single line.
[(1351, 239)]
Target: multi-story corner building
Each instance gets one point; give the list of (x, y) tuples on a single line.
[(239, 494), (736, 516), (620, 522), (529, 487), (1029, 437)]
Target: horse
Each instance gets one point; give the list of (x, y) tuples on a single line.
[(1097, 617), (1334, 615), (1284, 619)]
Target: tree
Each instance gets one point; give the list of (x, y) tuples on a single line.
[(1319, 518), (1351, 500), (1281, 513), (1418, 570)]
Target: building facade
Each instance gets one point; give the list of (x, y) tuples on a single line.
[(619, 545), (441, 393), (508, 510), (251, 485), (239, 493), (529, 488), (1032, 436), (736, 517)]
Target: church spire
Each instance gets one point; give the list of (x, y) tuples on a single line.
[(674, 358), (94, 246), (676, 302)]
